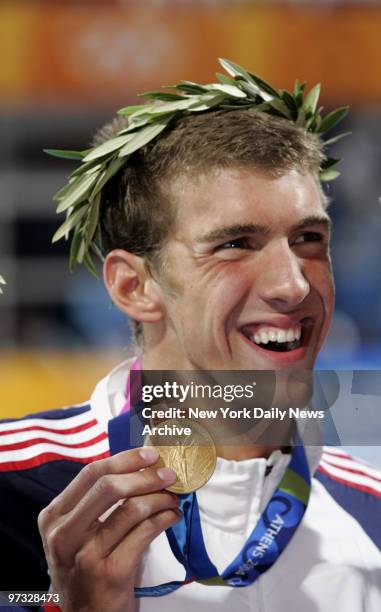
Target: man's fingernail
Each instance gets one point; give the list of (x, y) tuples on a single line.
[(149, 454), (167, 474)]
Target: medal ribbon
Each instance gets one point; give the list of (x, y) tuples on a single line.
[(272, 533)]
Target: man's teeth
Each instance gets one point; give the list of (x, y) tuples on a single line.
[(272, 334)]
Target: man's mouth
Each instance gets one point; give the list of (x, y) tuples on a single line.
[(276, 339)]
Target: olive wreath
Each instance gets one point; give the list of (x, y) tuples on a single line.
[(80, 198)]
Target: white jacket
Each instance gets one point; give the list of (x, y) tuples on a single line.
[(333, 561)]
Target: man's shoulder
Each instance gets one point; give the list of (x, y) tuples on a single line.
[(40, 454), (71, 434), (355, 486)]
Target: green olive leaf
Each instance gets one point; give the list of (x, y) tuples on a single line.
[(333, 118), (143, 137), (248, 82), (96, 249), (301, 120), (81, 251), (137, 124), (224, 80), (74, 247), (299, 92), (132, 111), (87, 168), (235, 70), (230, 90), (250, 89), (329, 175), (207, 101), (312, 98), (264, 107), (106, 175), (310, 124), (108, 147), (191, 87), (170, 107), (63, 154), (129, 110), (92, 220), (71, 221), (290, 103), (331, 141), (77, 192), (159, 95), (280, 106), (264, 85), (254, 91), (61, 193), (329, 162), (87, 260)]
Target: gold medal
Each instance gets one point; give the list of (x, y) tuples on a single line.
[(191, 457)]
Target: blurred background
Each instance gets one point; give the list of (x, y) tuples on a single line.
[(68, 66)]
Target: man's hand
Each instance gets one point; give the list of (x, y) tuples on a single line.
[(93, 564)]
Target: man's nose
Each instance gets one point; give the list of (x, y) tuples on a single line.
[(283, 283)]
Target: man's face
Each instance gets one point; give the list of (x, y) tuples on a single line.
[(249, 260)]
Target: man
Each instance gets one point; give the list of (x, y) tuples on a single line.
[(216, 238)]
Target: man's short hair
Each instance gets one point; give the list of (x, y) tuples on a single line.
[(137, 212)]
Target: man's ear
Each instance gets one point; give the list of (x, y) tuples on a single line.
[(131, 286)]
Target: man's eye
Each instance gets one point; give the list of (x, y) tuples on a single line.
[(309, 237), (237, 243)]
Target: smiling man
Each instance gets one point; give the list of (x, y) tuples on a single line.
[(249, 265), (216, 242)]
